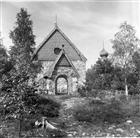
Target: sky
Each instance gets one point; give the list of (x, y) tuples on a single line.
[(86, 23)]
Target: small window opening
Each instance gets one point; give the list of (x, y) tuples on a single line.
[(57, 51)]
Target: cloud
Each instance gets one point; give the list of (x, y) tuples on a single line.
[(87, 24)]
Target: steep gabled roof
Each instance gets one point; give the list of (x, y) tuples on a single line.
[(81, 56), (49, 73)]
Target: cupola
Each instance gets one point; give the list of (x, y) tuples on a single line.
[(104, 53)]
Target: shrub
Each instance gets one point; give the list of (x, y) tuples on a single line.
[(44, 106), (81, 91), (99, 113), (83, 113), (96, 102), (133, 90), (131, 105), (2, 136), (113, 112), (85, 92), (28, 124)]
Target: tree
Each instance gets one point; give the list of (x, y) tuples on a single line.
[(136, 61), (117, 81), (3, 57), (124, 44), (100, 75), (21, 78)]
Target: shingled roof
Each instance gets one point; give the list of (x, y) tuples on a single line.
[(57, 62), (56, 39)]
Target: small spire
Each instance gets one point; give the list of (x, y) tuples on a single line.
[(56, 20), (103, 44)]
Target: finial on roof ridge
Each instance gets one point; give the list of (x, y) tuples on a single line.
[(56, 20)]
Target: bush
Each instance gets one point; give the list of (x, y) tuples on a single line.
[(2, 136), (81, 91), (113, 112), (84, 92), (100, 113), (28, 124), (131, 105), (96, 102), (44, 106)]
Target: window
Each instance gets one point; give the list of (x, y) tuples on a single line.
[(57, 51)]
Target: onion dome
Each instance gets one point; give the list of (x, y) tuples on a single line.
[(104, 53)]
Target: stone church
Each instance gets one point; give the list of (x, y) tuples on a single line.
[(64, 66)]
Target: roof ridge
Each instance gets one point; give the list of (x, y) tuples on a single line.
[(77, 50), (51, 33)]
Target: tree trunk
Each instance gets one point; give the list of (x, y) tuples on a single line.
[(126, 87)]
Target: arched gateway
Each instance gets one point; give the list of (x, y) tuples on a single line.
[(61, 85)]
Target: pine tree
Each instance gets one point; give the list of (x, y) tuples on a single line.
[(100, 75)]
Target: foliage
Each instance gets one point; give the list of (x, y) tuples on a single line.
[(20, 79), (44, 106), (117, 82), (41, 107), (97, 112), (124, 44), (122, 72), (5, 64), (100, 75), (114, 111), (82, 91), (136, 60)]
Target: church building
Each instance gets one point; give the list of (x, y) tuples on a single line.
[(64, 66)]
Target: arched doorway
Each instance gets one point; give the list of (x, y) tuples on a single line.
[(61, 85)]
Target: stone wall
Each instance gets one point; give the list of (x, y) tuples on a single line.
[(45, 67), (81, 68), (63, 71)]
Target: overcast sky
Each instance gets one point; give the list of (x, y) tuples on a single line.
[(86, 24)]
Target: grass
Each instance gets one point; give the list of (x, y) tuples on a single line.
[(94, 118), (99, 113)]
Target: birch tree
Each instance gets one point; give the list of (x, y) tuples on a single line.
[(125, 42)]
